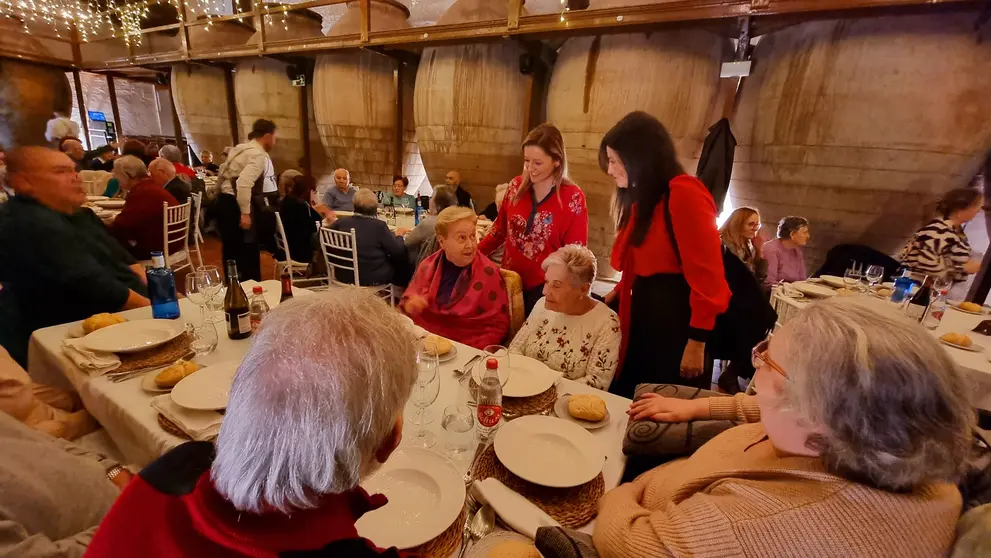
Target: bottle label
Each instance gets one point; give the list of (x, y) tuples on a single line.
[(244, 322), (489, 415)]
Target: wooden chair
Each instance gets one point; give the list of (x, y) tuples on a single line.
[(514, 287), (176, 232), (197, 199), (340, 252)]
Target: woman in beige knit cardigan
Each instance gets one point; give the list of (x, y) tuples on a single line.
[(859, 430)]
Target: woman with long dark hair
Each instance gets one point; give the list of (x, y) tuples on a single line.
[(542, 211), (672, 288)]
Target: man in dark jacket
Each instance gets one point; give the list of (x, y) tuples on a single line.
[(382, 257)]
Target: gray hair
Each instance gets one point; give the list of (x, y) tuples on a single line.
[(579, 260), (163, 164), (315, 397), (171, 153), (131, 167), (365, 202), (791, 224), (893, 406)]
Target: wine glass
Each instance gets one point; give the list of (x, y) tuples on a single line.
[(427, 369), (874, 274), (852, 276), (459, 426), (425, 392), (942, 284), (501, 355), (196, 292), (204, 339), (214, 286)]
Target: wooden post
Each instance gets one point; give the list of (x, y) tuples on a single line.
[(259, 21), (113, 105), (184, 30), (83, 116), (365, 23), (534, 111), (231, 105), (397, 79), (514, 14), (304, 128), (180, 140)]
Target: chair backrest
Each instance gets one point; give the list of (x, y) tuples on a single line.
[(95, 181), (281, 242), (514, 287), (176, 228), (197, 198), (340, 252)]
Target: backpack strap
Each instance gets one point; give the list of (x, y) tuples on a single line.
[(670, 226)]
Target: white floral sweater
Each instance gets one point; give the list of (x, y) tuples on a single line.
[(585, 348)]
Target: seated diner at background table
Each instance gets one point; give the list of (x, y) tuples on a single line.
[(672, 289), (421, 240), (458, 293), (139, 226), (103, 159), (173, 154), (209, 167), (453, 180), (941, 247), (568, 330), (133, 147), (162, 173), (340, 197), (56, 257), (491, 211), (543, 211), (860, 429), (75, 150), (741, 234), (382, 257), (53, 493), (299, 216), (397, 196), (785, 255), (308, 420)]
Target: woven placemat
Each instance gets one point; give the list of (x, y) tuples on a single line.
[(520, 406), (445, 544), (161, 355), (170, 427), (571, 507)]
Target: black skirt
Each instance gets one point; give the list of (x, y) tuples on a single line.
[(660, 314)]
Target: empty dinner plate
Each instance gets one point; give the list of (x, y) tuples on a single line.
[(206, 389), (833, 281), (134, 336), (549, 451), (425, 492), (96, 198), (815, 291), (527, 376), (109, 204)]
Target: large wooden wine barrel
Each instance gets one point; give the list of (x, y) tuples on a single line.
[(355, 103), (221, 35), (284, 26), (673, 75), (860, 125), (200, 98), (29, 93), (470, 105)]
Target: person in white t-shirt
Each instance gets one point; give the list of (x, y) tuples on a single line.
[(61, 127), (568, 330)]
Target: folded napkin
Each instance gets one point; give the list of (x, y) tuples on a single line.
[(515, 510), (201, 426), (94, 363)]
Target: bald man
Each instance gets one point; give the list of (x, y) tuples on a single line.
[(163, 173), (56, 257), (341, 196), (74, 149), (453, 179)]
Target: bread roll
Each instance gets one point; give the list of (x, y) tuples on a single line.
[(514, 549), (100, 321), (171, 376), (971, 306), (587, 407), (437, 345), (956, 339)]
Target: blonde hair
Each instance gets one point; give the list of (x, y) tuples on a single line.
[(452, 215), (549, 138), (731, 233), (579, 260)]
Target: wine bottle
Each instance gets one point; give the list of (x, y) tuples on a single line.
[(236, 310), (286, 279), (919, 302)]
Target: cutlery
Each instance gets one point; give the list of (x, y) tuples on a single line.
[(123, 376), (464, 370), (482, 524), (466, 533), (474, 460)]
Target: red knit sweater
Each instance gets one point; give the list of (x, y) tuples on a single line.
[(560, 219), (139, 227)]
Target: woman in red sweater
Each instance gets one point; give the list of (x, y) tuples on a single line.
[(670, 294), (542, 211)]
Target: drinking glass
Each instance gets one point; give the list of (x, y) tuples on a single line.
[(459, 429), (213, 288), (942, 284), (204, 339), (852, 276), (874, 274), (427, 371), (425, 392)]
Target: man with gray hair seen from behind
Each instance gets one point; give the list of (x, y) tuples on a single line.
[(141, 221), (314, 410), (163, 174)]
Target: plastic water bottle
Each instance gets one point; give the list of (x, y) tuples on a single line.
[(903, 285), (489, 401), (161, 289), (934, 314), (257, 309), (416, 212)]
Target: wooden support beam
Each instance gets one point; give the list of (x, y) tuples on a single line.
[(515, 7), (304, 129), (83, 115), (365, 21), (397, 80), (77, 54), (231, 106), (259, 20), (113, 105), (180, 138), (184, 31)]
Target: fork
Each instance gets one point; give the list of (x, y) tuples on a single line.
[(464, 370)]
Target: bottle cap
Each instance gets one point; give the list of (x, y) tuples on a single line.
[(257, 290), (491, 364)]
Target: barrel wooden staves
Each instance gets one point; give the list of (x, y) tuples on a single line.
[(470, 106), (223, 35), (200, 98), (860, 125), (596, 81), (355, 103), (285, 26)]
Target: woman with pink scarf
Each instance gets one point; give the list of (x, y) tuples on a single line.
[(457, 292)]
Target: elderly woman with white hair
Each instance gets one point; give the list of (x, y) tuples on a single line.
[(859, 430), (139, 225), (568, 330), (314, 410)]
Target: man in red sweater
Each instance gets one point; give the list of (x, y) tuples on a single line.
[(140, 225)]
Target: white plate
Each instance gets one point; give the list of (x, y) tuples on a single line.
[(206, 389), (449, 355), (527, 376), (96, 198), (482, 548), (110, 204), (148, 383), (561, 410), (549, 451), (131, 337), (833, 281), (974, 347), (814, 291), (425, 492)]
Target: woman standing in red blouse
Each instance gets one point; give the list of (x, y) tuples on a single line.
[(542, 211), (670, 295)]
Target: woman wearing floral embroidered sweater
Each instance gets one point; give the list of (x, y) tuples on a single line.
[(542, 211), (568, 330)]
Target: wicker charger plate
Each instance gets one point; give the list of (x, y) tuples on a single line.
[(170, 427), (444, 544), (166, 353), (571, 507), (541, 403)]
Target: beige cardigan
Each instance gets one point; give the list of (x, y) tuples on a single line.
[(736, 496)]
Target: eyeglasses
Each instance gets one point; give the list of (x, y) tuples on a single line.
[(759, 356)]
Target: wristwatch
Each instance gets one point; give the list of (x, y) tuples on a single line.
[(114, 472)]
